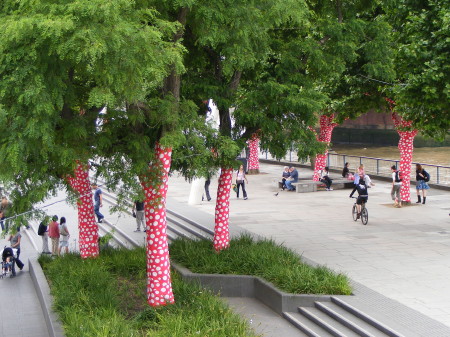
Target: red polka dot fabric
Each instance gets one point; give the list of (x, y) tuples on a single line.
[(221, 230), (406, 147), (87, 226), (253, 144), (159, 283), (326, 130)]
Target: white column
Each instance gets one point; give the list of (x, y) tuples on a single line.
[(197, 190)]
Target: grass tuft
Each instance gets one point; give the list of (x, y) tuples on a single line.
[(106, 296), (264, 258)]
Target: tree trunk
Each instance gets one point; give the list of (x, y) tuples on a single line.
[(253, 163), (87, 226), (221, 230), (326, 130), (405, 146), (159, 284)]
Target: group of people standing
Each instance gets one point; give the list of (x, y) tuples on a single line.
[(58, 234), (422, 178)]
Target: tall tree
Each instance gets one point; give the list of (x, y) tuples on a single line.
[(422, 94), (225, 56), (352, 38), (59, 58)]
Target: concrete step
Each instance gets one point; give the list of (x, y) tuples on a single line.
[(306, 325), (360, 314), (326, 322), (348, 319)]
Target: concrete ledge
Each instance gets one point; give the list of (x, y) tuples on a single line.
[(250, 286), (43, 292), (372, 175)]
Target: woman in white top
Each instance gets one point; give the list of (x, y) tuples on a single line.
[(240, 177)]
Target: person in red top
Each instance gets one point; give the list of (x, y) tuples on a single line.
[(53, 233)]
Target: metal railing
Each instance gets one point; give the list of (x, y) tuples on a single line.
[(376, 166)]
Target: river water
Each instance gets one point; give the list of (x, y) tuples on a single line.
[(426, 155)]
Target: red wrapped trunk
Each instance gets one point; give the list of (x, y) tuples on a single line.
[(159, 283), (406, 147), (326, 130), (221, 230), (87, 226), (253, 162)]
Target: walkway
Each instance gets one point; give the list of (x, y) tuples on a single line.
[(403, 254), (20, 311)]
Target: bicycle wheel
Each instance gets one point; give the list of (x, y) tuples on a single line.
[(354, 213), (364, 216)]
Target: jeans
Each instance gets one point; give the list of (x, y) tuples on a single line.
[(243, 188), (140, 216), (97, 212), (45, 243), (327, 181), (289, 185), (207, 183), (18, 262)]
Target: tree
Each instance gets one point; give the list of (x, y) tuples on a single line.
[(61, 63), (230, 57), (352, 40), (422, 90)]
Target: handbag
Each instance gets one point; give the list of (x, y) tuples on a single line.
[(234, 187)]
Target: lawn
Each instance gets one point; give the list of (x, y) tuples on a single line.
[(107, 297), (264, 258)]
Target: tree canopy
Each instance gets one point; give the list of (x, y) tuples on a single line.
[(61, 63)]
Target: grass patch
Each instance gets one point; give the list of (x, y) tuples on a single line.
[(107, 297), (264, 258)]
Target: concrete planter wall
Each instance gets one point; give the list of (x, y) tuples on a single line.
[(251, 286)]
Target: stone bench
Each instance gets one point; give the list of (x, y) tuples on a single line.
[(303, 186)]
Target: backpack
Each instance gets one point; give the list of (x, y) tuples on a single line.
[(62, 230), (42, 228), (427, 176), (398, 176)]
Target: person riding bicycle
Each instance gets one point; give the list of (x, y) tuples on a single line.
[(363, 194)]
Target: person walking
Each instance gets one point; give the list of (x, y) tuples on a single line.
[(53, 234), (14, 240), (43, 231), (139, 214), (98, 202), (64, 236), (422, 177), (396, 186), (240, 181)]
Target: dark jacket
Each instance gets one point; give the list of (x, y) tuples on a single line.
[(294, 176), (361, 188)]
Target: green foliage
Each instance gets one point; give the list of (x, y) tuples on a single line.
[(106, 297), (264, 258), (61, 62), (421, 32)]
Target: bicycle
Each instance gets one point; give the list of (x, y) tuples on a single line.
[(364, 212)]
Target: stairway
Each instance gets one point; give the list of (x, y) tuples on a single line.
[(337, 318)]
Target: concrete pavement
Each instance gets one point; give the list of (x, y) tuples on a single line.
[(403, 254), (20, 311)]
